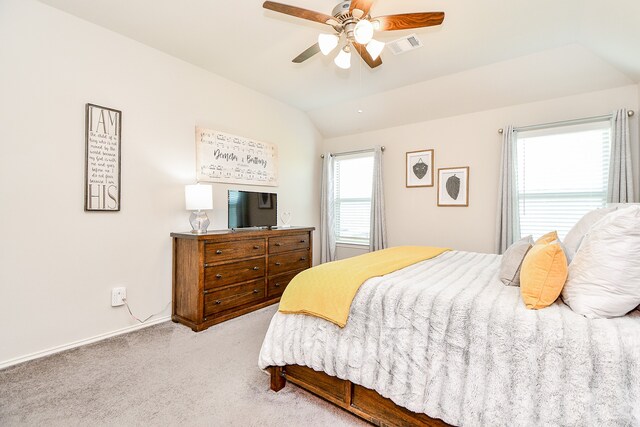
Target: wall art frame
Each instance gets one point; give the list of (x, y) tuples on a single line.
[(103, 161), (233, 159), (419, 168), (453, 186)]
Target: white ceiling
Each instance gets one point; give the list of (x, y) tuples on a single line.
[(243, 42)]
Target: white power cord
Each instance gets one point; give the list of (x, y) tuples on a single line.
[(142, 321)]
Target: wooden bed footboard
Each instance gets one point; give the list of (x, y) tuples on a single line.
[(361, 401)]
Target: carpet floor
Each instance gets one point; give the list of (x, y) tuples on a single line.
[(162, 375)]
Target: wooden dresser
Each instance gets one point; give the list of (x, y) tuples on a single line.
[(224, 274)]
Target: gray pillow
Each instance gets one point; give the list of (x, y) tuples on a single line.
[(512, 261)]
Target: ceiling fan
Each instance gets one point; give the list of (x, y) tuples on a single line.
[(355, 27)]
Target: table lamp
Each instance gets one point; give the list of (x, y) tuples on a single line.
[(197, 198)]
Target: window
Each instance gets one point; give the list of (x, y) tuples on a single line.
[(562, 174), (353, 178)]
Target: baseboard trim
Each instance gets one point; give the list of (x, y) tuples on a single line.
[(80, 343)]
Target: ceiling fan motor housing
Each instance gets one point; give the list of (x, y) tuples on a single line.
[(341, 9), (343, 15)]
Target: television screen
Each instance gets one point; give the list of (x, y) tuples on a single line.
[(250, 209)]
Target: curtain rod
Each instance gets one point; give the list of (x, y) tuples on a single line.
[(630, 113), (345, 153)]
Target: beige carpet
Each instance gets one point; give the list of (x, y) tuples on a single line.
[(162, 375)]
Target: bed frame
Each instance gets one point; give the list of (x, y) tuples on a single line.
[(360, 401)]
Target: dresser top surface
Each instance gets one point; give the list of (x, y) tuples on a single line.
[(276, 231)]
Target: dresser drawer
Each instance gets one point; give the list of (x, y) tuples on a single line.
[(278, 284), (282, 263), (225, 251), (288, 243), (228, 274), (233, 296)]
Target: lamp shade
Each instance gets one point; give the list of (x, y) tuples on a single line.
[(363, 32), (198, 197), (374, 47), (327, 42), (343, 60)]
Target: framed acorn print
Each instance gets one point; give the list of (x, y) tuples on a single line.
[(419, 169), (453, 186)]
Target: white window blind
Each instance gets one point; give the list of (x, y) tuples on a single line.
[(562, 174), (353, 176)]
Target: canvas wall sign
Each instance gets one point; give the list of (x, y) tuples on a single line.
[(453, 186), (102, 158), (419, 169), (232, 159)]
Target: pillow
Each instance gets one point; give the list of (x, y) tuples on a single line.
[(548, 238), (512, 261), (604, 278), (576, 234), (567, 253), (543, 274)]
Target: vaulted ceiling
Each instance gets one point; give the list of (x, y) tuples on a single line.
[(575, 45)]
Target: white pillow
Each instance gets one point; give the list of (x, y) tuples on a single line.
[(576, 234), (604, 277)]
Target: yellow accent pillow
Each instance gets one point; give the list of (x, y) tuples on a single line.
[(548, 238), (543, 274)]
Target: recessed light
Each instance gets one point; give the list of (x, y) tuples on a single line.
[(359, 111)]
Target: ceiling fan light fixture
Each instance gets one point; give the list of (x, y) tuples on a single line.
[(343, 60), (374, 47), (327, 43), (363, 32)]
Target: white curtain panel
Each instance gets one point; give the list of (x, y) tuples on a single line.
[(327, 212), (378, 233), (508, 220), (620, 169)]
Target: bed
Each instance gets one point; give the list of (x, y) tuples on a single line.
[(444, 341)]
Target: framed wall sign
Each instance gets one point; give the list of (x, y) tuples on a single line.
[(102, 159), (232, 159), (419, 169), (453, 186)]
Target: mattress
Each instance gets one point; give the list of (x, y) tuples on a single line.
[(446, 338)]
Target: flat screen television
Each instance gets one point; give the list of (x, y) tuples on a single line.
[(252, 209)]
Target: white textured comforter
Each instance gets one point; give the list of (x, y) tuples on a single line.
[(447, 338)]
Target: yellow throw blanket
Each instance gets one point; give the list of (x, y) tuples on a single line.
[(327, 290)]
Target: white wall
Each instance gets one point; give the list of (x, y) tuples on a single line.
[(466, 140), (58, 263)]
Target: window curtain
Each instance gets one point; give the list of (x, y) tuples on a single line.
[(508, 220), (378, 231), (620, 169), (327, 212)]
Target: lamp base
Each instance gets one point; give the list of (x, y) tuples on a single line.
[(199, 222)]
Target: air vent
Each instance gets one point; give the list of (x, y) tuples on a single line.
[(404, 44)]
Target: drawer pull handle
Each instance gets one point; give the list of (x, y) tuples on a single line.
[(277, 263), (218, 301), (278, 244), (303, 258), (218, 276), (256, 247), (277, 285), (303, 241), (218, 252), (256, 268), (255, 291)]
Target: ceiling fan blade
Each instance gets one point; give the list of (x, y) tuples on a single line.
[(407, 21), (362, 5), (362, 50), (299, 12), (307, 54)]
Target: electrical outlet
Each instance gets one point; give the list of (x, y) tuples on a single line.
[(118, 295)]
